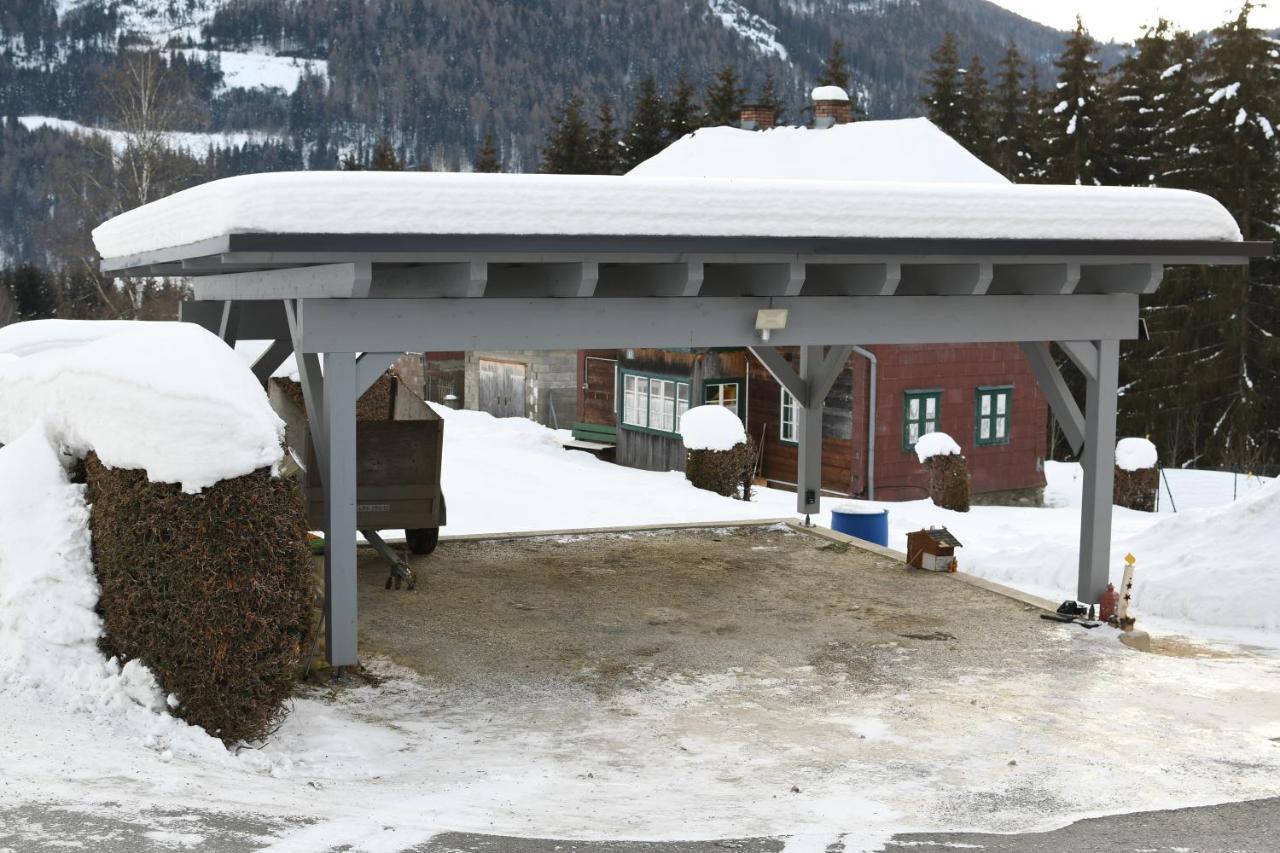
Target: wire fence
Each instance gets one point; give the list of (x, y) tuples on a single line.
[(1182, 489)]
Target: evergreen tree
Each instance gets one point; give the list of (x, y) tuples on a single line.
[(1137, 109), (1229, 348), (1076, 146), (1012, 146), (682, 109), (724, 98), (1181, 102), (647, 133), (568, 150), (769, 98), (384, 158), (975, 104), (835, 70), (606, 155), (488, 159), (1037, 127), (943, 102), (34, 294)]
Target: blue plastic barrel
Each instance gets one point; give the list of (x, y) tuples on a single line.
[(861, 520)]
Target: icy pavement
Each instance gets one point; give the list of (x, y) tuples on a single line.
[(988, 719)]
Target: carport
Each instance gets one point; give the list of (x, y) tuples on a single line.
[(348, 270)]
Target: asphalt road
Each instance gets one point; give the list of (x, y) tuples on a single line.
[(1247, 827)]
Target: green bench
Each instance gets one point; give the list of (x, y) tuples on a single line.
[(595, 433)]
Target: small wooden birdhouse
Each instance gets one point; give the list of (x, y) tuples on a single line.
[(933, 549)]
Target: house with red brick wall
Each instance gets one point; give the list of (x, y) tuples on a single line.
[(983, 395)]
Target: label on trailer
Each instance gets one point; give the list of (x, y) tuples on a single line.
[(373, 507)]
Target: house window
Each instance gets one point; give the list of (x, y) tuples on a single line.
[(725, 394), (787, 421), (992, 410), (653, 403), (921, 413)]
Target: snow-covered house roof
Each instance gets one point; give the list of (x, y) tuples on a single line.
[(909, 151)]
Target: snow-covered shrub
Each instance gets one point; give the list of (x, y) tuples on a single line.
[(948, 470), (213, 591), (1137, 478), (720, 458)]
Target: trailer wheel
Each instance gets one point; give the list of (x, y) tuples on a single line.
[(422, 540)]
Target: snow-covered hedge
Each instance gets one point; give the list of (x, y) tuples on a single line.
[(711, 427)]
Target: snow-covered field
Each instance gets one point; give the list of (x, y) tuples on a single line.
[(244, 70), (194, 143), (745, 752)]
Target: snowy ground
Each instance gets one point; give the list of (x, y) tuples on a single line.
[(773, 749)]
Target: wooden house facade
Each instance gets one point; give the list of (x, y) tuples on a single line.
[(983, 395)]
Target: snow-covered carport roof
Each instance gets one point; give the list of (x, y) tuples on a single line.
[(382, 263), (1050, 263)]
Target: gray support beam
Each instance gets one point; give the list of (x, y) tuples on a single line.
[(257, 321), (309, 376), (271, 358), (1099, 474), (229, 323), (833, 364), (1055, 390), (795, 279), (369, 368), (780, 369), (340, 594), (477, 278), (809, 429), (326, 281), (695, 274), (414, 325), (1084, 355)]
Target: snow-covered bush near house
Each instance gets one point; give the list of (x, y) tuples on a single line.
[(1136, 454), (933, 444), (711, 427), (167, 398)]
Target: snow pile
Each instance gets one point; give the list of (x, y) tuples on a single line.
[(711, 428), (933, 444), (600, 205), (168, 398), (908, 150), (829, 93), (1214, 566), (1135, 454), (49, 630)]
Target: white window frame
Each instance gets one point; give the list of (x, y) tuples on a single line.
[(788, 419), (653, 403)]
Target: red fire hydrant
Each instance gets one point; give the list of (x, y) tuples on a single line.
[(1107, 603)]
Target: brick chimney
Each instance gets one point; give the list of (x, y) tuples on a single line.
[(831, 106), (756, 117)]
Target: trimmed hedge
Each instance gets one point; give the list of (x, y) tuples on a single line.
[(725, 472), (214, 592), (1136, 489), (376, 404), (949, 482)]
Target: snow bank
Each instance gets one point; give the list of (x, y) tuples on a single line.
[(1214, 566), (933, 444), (909, 151), (595, 205), (49, 630), (711, 428), (1136, 454), (167, 398)]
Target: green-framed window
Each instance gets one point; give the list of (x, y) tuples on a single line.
[(788, 424), (992, 413), (723, 392), (921, 414), (653, 403)]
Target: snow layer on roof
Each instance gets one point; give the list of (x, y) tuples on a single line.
[(167, 398), (829, 93), (910, 151), (435, 203)]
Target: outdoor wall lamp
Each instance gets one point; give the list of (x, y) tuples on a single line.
[(768, 319)]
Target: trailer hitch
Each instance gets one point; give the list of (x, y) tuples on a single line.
[(401, 572)]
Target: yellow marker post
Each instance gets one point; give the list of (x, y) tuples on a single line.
[(1126, 588)]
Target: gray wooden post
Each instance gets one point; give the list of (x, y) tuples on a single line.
[(1099, 473), (340, 507), (809, 430)]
